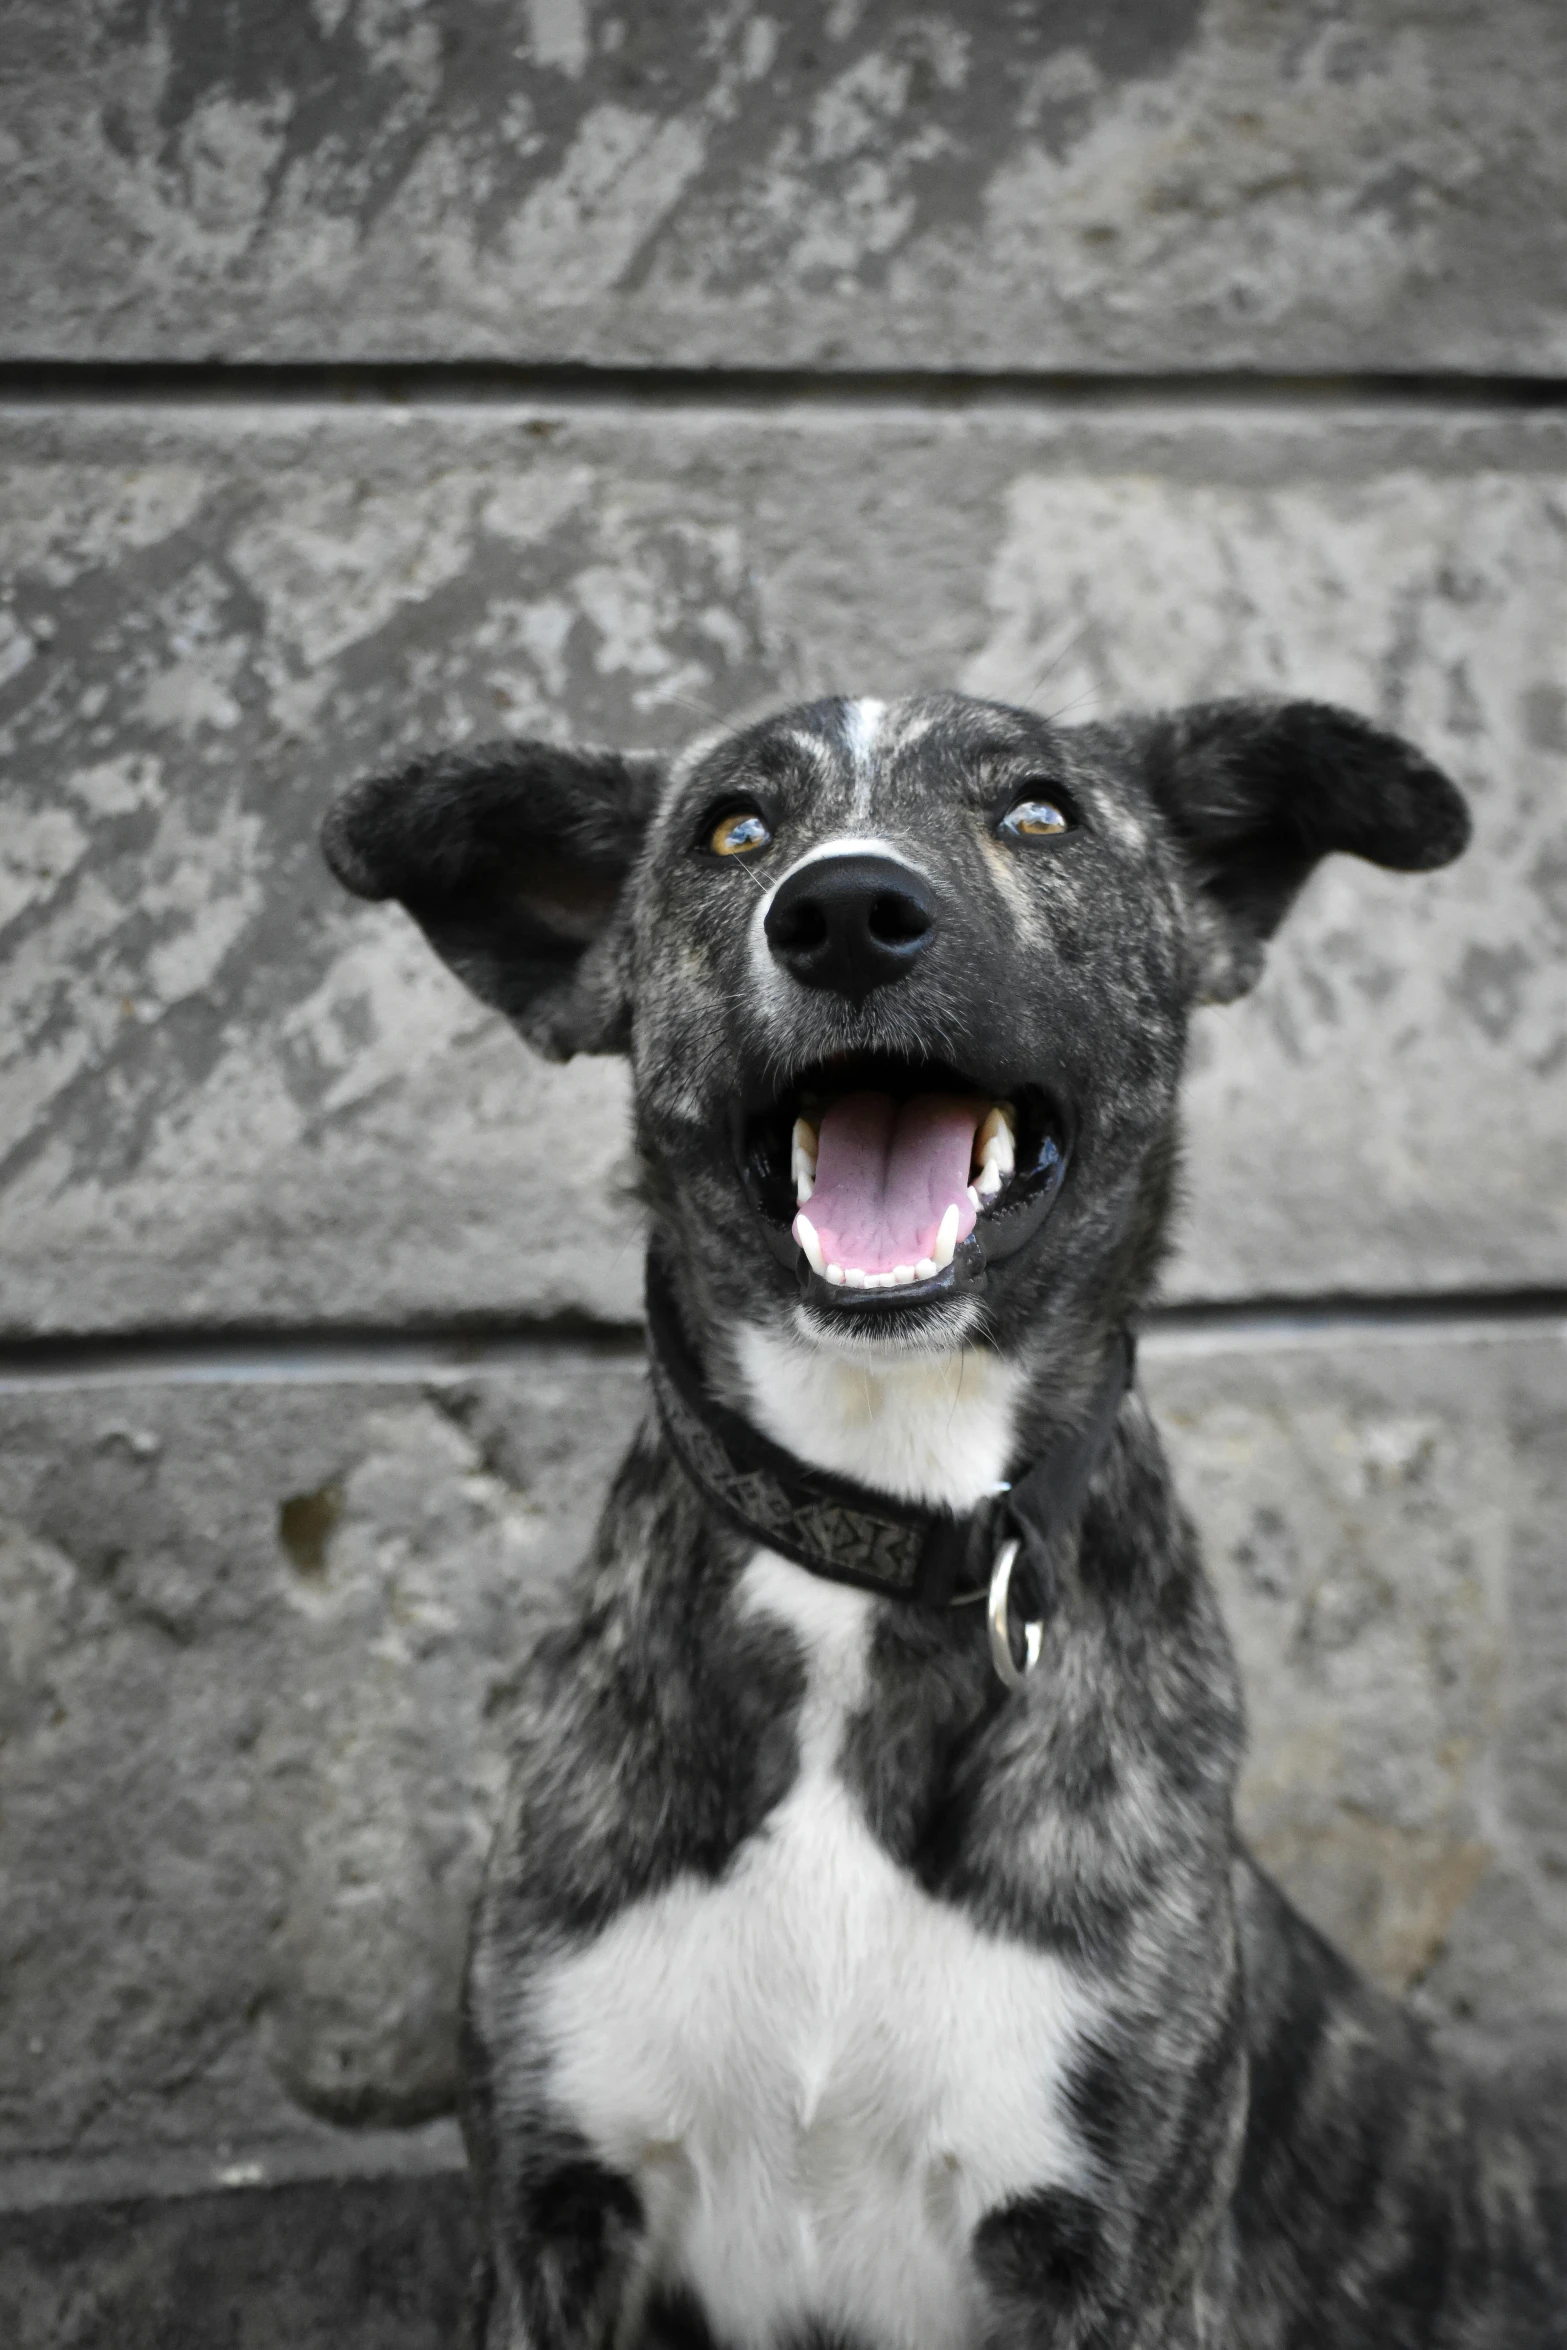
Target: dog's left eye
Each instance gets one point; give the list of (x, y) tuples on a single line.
[(738, 833), (1033, 819)]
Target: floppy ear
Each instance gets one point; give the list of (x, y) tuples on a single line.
[(510, 857), (1257, 792)]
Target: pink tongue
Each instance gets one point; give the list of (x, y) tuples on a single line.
[(886, 1174)]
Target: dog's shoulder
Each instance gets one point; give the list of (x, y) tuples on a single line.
[(651, 1730)]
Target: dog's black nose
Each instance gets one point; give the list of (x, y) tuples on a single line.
[(851, 923)]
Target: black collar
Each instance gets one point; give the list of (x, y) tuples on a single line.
[(844, 1531)]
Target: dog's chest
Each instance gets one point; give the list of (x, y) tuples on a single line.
[(819, 2077)]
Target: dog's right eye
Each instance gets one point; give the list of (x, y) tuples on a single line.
[(1034, 818), (739, 833)]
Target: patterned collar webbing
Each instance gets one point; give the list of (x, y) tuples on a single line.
[(842, 1530)]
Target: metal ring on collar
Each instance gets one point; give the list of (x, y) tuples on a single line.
[(1001, 1655)]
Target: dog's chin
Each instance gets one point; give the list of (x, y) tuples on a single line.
[(890, 1188), (901, 1334)]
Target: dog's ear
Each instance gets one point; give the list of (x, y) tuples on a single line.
[(1257, 792), (511, 857)]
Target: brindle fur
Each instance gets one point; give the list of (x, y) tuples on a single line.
[(1284, 2157)]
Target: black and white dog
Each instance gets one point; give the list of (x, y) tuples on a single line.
[(867, 1956)]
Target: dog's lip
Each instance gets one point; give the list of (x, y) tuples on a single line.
[(764, 1092)]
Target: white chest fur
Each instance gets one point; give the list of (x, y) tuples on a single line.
[(933, 1428), (820, 2077)]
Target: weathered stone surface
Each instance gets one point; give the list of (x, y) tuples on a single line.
[(1106, 185), (254, 1640), (227, 1095), (382, 2266), (1383, 1515), (258, 1635)]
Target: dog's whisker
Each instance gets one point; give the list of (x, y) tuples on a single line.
[(1062, 653)]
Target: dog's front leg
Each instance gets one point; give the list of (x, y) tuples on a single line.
[(560, 2231), (561, 2258)]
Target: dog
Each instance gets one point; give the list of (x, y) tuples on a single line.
[(867, 1955)]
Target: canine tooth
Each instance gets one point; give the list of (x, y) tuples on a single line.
[(805, 1234), (835, 1275), (854, 1277), (926, 1267), (802, 1160), (947, 1237), (995, 1144)]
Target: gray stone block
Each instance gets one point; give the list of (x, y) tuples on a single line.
[(257, 1640), (259, 1630), (348, 2266), (825, 183), (229, 1096), (1382, 1512)]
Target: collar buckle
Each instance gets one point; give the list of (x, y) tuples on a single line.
[(998, 1616)]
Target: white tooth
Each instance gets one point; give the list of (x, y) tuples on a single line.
[(994, 1141), (903, 1275), (926, 1268), (805, 1234), (806, 1141), (973, 1192), (803, 1186), (988, 1185), (854, 1277), (835, 1275), (947, 1237)]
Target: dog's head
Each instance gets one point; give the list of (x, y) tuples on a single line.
[(905, 988)]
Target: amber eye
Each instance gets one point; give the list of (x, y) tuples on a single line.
[(739, 833), (1033, 819)]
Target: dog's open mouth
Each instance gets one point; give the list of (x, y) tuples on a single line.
[(886, 1183)]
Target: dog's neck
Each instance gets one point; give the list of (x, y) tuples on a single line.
[(938, 1429)]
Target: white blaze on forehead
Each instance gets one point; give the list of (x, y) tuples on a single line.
[(863, 720)]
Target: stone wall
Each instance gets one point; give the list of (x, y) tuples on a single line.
[(371, 377)]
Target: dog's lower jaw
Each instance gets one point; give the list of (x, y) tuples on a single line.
[(936, 1428)]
